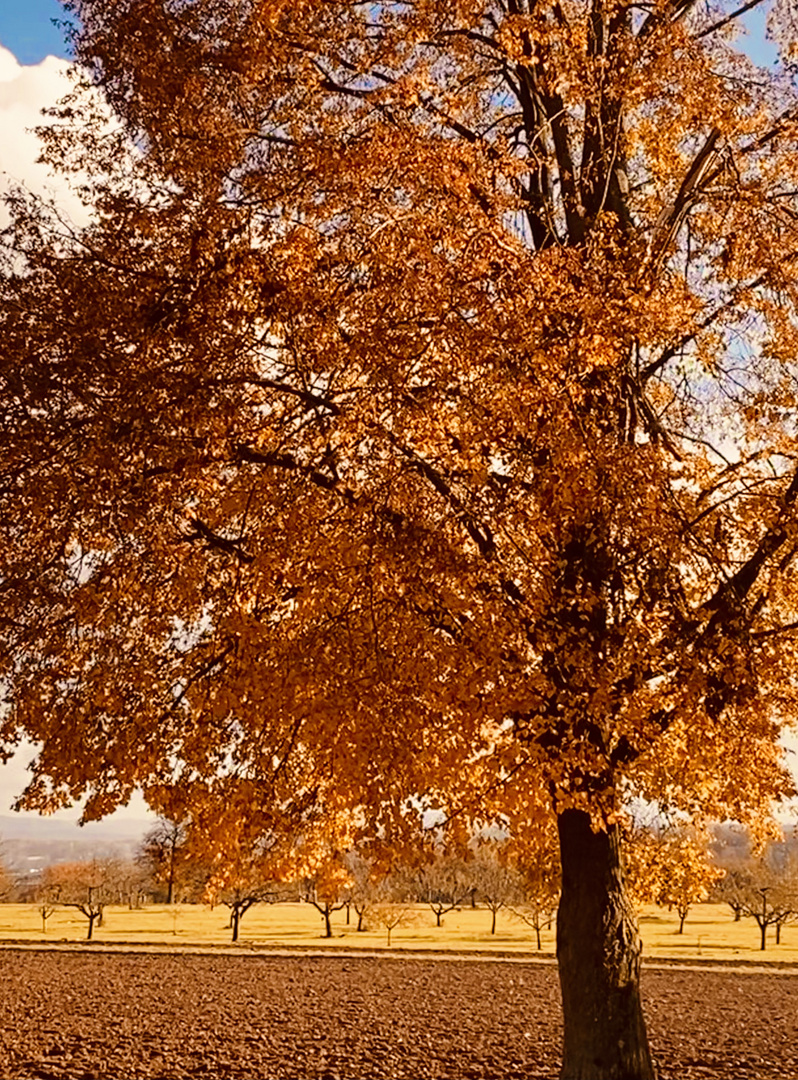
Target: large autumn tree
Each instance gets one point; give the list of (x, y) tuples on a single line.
[(414, 420)]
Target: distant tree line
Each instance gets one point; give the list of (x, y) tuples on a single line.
[(174, 866), (667, 864)]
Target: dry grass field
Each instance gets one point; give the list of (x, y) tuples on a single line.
[(710, 932)]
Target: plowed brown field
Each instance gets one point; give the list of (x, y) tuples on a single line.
[(83, 1015)]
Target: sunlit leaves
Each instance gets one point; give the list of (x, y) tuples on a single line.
[(414, 420)]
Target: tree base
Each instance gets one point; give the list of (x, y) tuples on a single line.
[(598, 952)]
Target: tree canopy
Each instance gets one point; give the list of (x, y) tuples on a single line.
[(420, 394), (414, 419)]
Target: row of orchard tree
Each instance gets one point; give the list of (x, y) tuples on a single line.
[(173, 866), (670, 865)]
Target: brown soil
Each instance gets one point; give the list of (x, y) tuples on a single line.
[(81, 1016)]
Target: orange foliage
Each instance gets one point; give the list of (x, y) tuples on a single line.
[(672, 867), (363, 441), (414, 419)]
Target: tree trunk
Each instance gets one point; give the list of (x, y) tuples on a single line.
[(327, 923), (493, 923), (682, 920), (234, 918), (92, 917), (598, 953), (763, 930), (537, 935)]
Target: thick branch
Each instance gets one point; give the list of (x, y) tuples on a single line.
[(672, 13), (221, 543), (315, 401), (671, 217), (600, 182), (248, 454), (550, 107), (480, 535), (732, 592)]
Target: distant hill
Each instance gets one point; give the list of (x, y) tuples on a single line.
[(29, 843), (29, 826)]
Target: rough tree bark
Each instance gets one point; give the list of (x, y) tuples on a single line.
[(598, 953)]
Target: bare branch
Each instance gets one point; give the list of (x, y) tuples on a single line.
[(729, 18)]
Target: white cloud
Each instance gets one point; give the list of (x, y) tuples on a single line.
[(24, 91)]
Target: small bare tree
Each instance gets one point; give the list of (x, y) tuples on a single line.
[(163, 854), (46, 899), (244, 880), (328, 886), (539, 883), (8, 885), (768, 905), (391, 915), (444, 885), (732, 888), (360, 892), (84, 886), (498, 883), (763, 888), (391, 908)]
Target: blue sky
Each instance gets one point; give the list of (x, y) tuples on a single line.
[(27, 31)]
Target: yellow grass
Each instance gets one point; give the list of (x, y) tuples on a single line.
[(271, 925), (710, 932)]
